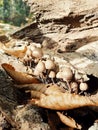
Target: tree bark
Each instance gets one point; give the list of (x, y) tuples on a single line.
[(65, 26)]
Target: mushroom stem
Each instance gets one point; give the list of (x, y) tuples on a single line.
[(52, 79), (68, 85)]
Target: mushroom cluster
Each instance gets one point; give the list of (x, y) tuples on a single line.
[(45, 69), (33, 55), (73, 83), (48, 71)]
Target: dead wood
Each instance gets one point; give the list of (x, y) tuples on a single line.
[(65, 26)]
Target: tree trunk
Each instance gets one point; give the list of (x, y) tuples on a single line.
[(65, 26)]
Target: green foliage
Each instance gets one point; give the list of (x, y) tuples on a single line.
[(1, 2), (14, 12)]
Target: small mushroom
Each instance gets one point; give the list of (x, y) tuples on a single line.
[(32, 47), (52, 75), (37, 53), (74, 87), (40, 67), (83, 86), (36, 60), (28, 57), (39, 74), (67, 74), (49, 64), (77, 76), (59, 75)]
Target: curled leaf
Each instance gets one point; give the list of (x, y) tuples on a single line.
[(68, 121), (19, 77), (57, 100), (19, 53)]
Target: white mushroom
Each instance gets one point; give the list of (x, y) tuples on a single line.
[(49, 64), (83, 86), (32, 47), (59, 75), (36, 60), (74, 87), (67, 74), (40, 67), (28, 57), (37, 53), (77, 76), (52, 74)]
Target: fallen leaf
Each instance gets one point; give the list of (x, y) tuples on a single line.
[(68, 121), (55, 99), (19, 77), (19, 53)]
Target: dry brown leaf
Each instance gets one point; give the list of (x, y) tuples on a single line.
[(51, 96), (68, 121), (19, 77), (19, 53), (57, 100)]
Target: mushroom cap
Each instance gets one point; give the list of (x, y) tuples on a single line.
[(32, 47), (74, 85), (67, 74), (40, 67), (49, 64), (83, 86), (37, 53), (52, 74), (59, 75)]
